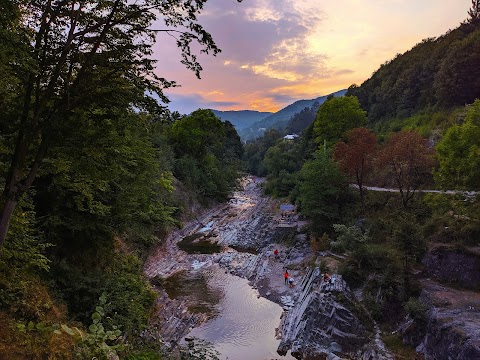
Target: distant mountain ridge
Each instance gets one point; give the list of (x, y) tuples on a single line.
[(279, 120), (281, 117), (241, 119), (251, 124)]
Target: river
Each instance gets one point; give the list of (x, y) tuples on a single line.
[(186, 268), (244, 324)]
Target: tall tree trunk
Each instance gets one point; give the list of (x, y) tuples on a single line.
[(17, 183), (8, 207)]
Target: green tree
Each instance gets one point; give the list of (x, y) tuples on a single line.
[(323, 193), (459, 153), (406, 237), (255, 151), (195, 134), (349, 237), (282, 161), (207, 152), (69, 55), (108, 178), (336, 116), (457, 81)]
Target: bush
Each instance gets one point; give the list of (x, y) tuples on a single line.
[(319, 244), (416, 309), (131, 297), (349, 237), (324, 268), (99, 342)]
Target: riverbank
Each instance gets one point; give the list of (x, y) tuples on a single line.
[(246, 232)]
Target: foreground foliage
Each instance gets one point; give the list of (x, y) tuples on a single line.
[(94, 170)]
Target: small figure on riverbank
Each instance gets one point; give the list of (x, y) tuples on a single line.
[(285, 275), (290, 282), (326, 278), (275, 252)]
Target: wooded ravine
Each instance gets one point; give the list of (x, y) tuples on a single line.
[(98, 175)]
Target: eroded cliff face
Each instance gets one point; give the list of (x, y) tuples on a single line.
[(326, 322), (451, 327), (460, 268)]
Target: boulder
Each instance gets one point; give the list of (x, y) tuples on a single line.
[(323, 322)]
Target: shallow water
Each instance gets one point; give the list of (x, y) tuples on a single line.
[(244, 325)]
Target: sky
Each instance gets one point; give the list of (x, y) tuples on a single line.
[(275, 52)]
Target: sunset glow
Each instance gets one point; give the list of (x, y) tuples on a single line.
[(275, 52)]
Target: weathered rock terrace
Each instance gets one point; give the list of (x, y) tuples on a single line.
[(451, 329)]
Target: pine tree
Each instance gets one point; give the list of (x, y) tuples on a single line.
[(474, 12)]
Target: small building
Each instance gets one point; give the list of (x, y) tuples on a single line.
[(290, 137), (288, 217), (287, 209)]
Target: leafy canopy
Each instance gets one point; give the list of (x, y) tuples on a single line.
[(459, 153), (407, 161), (336, 116), (323, 192), (92, 59), (207, 153)]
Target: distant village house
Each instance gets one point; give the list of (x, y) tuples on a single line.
[(290, 137)]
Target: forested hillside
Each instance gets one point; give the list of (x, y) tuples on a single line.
[(94, 172), (413, 126), (280, 119), (437, 74)]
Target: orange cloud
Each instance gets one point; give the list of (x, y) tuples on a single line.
[(275, 51)]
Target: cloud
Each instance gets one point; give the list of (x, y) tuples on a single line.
[(343, 72), (277, 51), (268, 38)]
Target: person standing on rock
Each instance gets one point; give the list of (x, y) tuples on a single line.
[(275, 252), (285, 275), (290, 282)]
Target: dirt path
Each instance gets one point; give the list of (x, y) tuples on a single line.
[(448, 192)]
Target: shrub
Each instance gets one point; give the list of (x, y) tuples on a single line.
[(416, 309)]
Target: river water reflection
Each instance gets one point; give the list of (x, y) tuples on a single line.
[(244, 325)]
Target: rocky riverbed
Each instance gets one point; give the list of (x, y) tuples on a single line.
[(319, 320)]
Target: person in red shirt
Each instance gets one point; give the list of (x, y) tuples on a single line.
[(275, 252), (285, 275)]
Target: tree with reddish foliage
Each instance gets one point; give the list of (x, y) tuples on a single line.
[(355, 157), (407, 159)]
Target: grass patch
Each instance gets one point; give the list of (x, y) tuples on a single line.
[(400, 350)]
